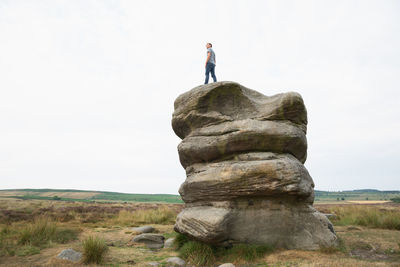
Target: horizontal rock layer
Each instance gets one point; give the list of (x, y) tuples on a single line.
[(249, 174), (229, 101), (229, 138), (272, 222)]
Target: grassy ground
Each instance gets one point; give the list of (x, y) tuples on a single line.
[(33, 232)]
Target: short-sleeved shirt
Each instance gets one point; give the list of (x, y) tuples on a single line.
[(212, 56)]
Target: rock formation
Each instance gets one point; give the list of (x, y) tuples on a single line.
[(243, 153)]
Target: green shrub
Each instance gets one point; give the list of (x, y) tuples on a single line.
[(94, 250)]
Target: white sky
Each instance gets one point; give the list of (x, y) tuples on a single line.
[(87, 87)]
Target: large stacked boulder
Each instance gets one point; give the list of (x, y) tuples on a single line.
[(243, 153)]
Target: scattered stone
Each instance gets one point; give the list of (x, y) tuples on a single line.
[(70, 255), (153, 263), (143, 229), (169, 242), (132, 262), (152, 241), (244, 154), (227, 265), (175, 261)]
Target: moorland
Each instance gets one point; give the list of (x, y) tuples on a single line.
[(34, 230)]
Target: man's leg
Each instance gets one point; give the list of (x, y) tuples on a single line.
[(213, 72), (207, 73)]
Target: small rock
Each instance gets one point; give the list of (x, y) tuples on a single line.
[(169, 242), (132, 262), (70, 255), (227, 265), (175, 261), (143, 229), (152, 241), (153, 263)]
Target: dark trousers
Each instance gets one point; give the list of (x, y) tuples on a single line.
[(210, 67)]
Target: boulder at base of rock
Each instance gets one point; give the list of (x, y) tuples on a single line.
[(227, 265), (70, 255), (169, 242), (143, 229), (175, 261), (153, 241)]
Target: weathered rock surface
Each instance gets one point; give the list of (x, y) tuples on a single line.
[(243, 153), (226, 265), (70, 255), (153, 263), (143, 229), (153, 241), (169, 243)]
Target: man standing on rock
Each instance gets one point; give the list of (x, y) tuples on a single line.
[(210, 63)]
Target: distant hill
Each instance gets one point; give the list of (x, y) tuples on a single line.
[(87, 196), (105, 196), (358, 194)]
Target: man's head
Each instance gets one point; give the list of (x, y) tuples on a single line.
[(208, 45)]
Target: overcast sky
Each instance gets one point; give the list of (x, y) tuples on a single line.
[(87, 87)]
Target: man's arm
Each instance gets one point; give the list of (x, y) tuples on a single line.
[(208, 57)]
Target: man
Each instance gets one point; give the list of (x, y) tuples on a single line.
[(210, 63)]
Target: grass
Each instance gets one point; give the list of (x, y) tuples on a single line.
[(30, 238), (38, 233), (27, 250), (201, 254), (248, 253), (161, 215), (180, 240), (197, 253), (333, 249), (94, 250), (368, 216), (43, 231)]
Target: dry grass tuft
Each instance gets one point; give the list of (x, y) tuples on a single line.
[(94, 249), (197, 253)]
